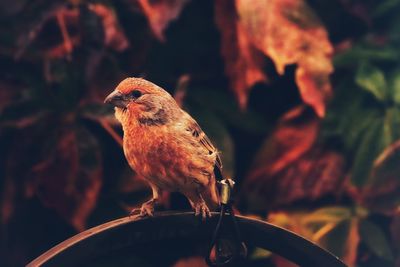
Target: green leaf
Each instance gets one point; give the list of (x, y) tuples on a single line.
[(394, 85), (350, 114), (373, 80), (260, 253), (386, 167), (382, 193), (391, 125), (359, 52), (356, 115), (392, 118), (384, 7), (346, 101), (358, 125), (367, 151), (375, 239), (365, 127)]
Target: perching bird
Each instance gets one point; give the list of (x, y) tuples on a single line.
[(165, 145)]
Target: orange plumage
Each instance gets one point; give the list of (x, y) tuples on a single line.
[(165, 145)]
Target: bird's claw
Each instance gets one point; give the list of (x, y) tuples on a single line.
[(147, 209), (201, 208)]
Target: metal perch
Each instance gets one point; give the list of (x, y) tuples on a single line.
[(128, 236)]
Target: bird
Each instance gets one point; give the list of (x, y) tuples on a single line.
[(166, 146)]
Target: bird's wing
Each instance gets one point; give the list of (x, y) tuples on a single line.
[(204, 141)]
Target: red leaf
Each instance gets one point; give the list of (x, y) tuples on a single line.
[(66, 180), (291, 166), (114, 36), (289, 32), (243, 63), (293, 137), (34, 28), (160, 13), (68, 21)]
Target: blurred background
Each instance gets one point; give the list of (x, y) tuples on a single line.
[(302, 98)]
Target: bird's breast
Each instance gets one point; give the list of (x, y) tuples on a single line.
[(155, 156), (163, 157)]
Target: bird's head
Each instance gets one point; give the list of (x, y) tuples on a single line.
[(137, 100)]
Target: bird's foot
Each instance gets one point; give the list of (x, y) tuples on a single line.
[(147, 209), (202, 209)]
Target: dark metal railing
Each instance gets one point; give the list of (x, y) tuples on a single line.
[(129, 235)]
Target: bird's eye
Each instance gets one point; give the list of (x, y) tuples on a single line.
[(136, 94)]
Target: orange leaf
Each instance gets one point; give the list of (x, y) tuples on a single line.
[(243, 63), (352, 242), (289, 32), (292, 138), (292, 166), (160, 13)]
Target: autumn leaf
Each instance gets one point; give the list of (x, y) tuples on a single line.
[(381, 192), (67, 21), (289, 32), (160, 13), (292, 133), (15, 109), (243, 63), (114, 36), (68, 178), (335, 228), (34, 27), (290, 165)]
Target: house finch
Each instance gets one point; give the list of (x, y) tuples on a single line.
[(165, 145)]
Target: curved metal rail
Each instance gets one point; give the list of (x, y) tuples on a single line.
[(126, 233)]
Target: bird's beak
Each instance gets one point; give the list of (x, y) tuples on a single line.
[(117, 99)]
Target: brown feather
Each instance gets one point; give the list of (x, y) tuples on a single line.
[(203, 139)]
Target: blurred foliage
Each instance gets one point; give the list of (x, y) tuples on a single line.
[(302, 98)]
